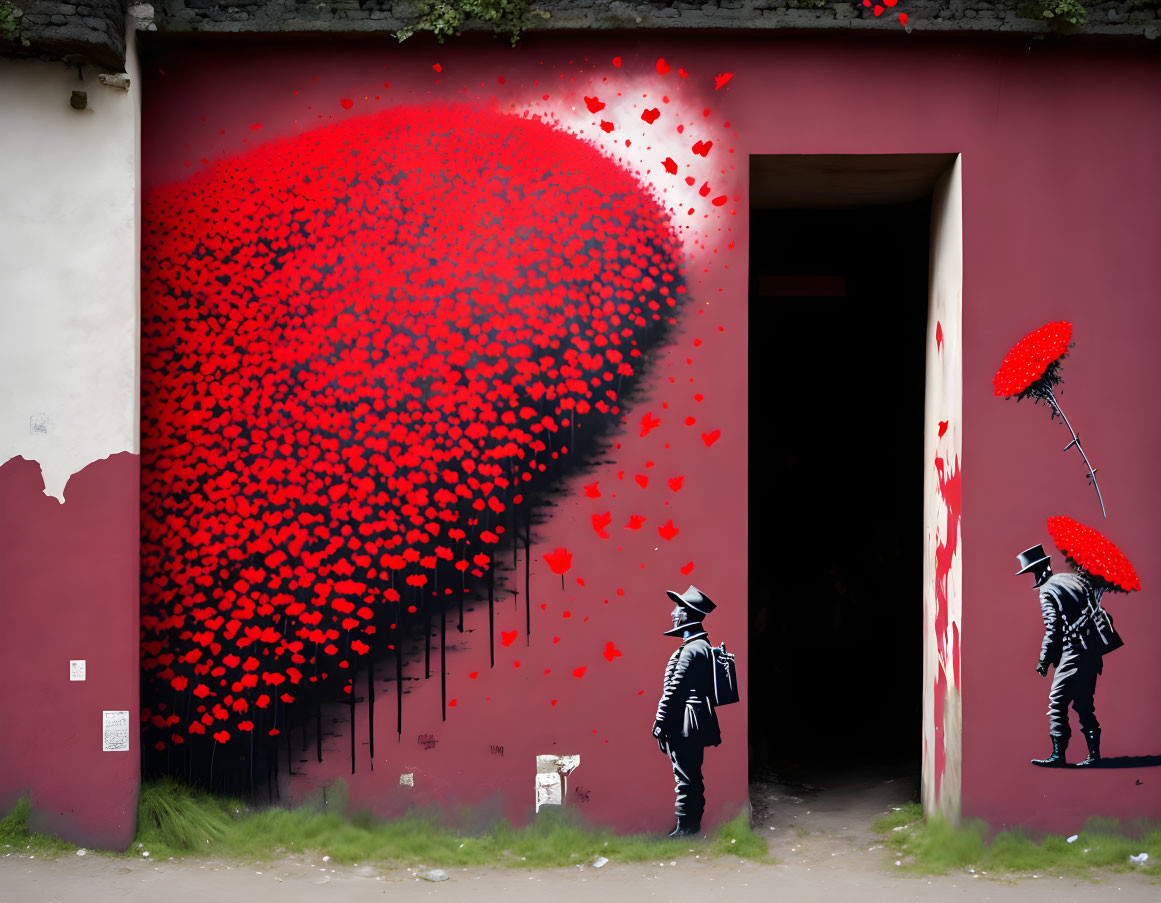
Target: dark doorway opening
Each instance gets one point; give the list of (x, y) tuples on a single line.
[(839, 259)]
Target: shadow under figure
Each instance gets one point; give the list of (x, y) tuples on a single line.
[(686, 722), (1078, 633)]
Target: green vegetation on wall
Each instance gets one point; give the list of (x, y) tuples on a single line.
[(1071, 11), (10, 24), (448, 17)]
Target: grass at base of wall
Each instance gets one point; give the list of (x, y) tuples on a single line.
[(15, 837), (176, 821), (934, 847)]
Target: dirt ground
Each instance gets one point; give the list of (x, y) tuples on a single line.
[(820, 836)]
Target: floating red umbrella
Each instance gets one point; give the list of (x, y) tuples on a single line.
[(1032, 358), (1031, 369), (1088, 550)]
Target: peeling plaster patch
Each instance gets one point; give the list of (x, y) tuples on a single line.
[(407, 780), (68, 346), (548, 790), (565, 765), (61, 480), (120, 80), (552, 779)]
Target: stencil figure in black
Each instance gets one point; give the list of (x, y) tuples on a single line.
[(1077, 634), (686, 721)]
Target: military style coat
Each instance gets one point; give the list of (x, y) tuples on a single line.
[(686, 710), (1063, 599)]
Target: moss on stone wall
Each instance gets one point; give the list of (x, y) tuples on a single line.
[(445, 17), (93, 31)]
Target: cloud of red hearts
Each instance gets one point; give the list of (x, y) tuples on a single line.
[(361, 347)]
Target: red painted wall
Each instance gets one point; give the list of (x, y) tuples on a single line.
[(1059, 145), (68, 590)]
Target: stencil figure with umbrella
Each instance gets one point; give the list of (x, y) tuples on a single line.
[(1078, 632)]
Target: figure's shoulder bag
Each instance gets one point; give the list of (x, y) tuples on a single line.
[(725, 676)]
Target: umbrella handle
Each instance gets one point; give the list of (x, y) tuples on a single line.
[(1051, 399)]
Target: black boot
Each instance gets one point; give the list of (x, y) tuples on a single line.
[(686, 826), (1056, 760), (1093, 739)]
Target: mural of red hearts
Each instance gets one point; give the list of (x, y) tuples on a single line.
[(365, 348)]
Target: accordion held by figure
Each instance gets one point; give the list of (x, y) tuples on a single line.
[(725, 676)]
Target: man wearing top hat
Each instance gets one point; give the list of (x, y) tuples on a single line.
[(686, 722), (1073, 646)]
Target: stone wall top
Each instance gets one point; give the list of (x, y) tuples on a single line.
[(1140, 18), (79, 31), (92, 31)]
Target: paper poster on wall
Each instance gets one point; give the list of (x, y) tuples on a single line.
[(76, 669), (115, 732)]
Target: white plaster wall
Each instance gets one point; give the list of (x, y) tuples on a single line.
[(69, 267), (943, 402)]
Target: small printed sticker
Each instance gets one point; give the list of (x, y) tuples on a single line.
[(76, 669), (115, 732), (407, 780)]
